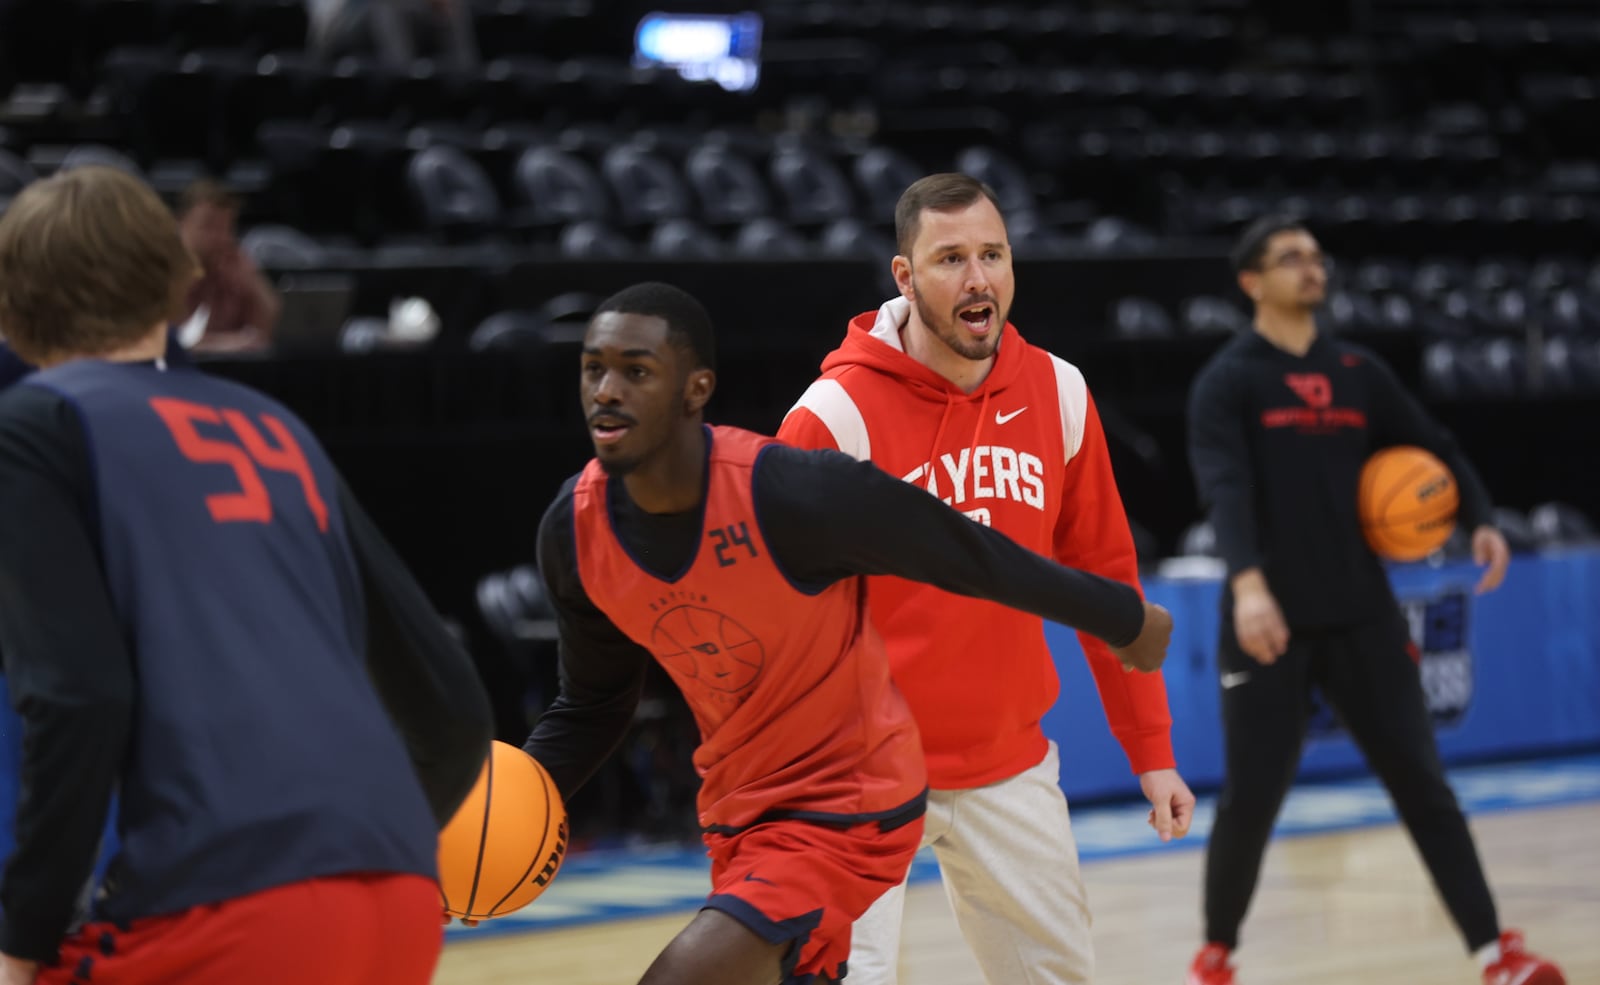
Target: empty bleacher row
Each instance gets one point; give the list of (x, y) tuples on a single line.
[(1433, 135)]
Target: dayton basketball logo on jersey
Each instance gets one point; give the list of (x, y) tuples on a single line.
[(709, 651), (1316, 412), (984, 472)]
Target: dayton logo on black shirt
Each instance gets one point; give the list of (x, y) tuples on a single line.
[(1316, 412), (1313, 388)]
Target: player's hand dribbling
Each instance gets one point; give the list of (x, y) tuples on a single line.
[(1257, 621), (1148, 651)]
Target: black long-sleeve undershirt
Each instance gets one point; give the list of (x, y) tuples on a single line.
[(825, 517)]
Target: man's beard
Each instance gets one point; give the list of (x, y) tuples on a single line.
[(963, 345)]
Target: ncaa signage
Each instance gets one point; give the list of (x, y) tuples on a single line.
[(1439, 630)]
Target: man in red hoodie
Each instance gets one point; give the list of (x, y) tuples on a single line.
[(937, 388)]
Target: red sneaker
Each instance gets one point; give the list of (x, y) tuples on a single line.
[(1210, 967), (1516, 966)]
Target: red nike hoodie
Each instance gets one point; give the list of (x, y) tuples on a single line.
[(1024, 453)]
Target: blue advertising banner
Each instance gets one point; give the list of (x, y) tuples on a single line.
[(1515, 672)]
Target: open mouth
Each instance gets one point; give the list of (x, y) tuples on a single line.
[(607, 430), (979, 318)]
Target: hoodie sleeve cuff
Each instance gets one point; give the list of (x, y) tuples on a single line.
[(1149, 750)]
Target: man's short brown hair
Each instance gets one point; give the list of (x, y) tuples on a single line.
[(90, 262), (939, 192)]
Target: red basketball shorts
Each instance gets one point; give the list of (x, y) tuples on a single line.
[(807, 883), (345, 930)]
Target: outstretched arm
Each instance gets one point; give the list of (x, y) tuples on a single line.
[(828, 517)]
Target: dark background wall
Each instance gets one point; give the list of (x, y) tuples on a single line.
[(458, 452)]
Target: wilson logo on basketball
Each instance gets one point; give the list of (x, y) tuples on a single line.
[(553, 864), (707, 647), (506, 841), (1437, 487)]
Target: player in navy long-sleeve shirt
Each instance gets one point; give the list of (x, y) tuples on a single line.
[(1281, 421), (196, 614)]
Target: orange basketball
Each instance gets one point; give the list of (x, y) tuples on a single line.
[(507, 840), (1408, 501)]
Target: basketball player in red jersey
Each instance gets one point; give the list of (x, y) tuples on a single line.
[(735, 561), (938, 388)]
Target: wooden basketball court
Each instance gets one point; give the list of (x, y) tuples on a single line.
[(1333, 909)]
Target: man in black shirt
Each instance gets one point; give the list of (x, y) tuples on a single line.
[(1281, 421)]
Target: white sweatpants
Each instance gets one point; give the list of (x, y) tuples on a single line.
[(1010, 868)]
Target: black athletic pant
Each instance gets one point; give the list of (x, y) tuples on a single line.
[(1367, 675)]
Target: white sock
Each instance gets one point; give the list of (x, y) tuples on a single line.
[(1488, 954)]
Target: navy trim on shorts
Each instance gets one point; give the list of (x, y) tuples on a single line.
[(795, 931), (888, 820)]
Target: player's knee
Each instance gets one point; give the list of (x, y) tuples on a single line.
[(716, 949)]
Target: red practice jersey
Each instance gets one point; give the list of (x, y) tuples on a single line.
[(792, 691)]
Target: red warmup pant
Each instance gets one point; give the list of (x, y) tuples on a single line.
[(345, 930)]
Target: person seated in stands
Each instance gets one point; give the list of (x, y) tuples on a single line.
[(392, 29), (232, 307)]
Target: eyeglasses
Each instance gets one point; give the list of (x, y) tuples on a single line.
[(1295, 260)]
